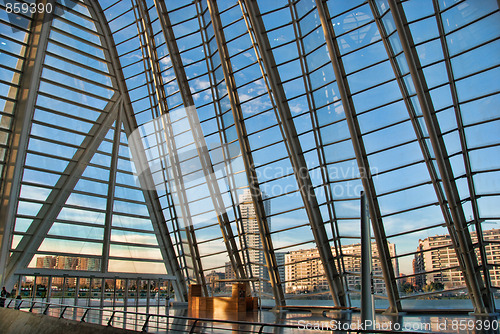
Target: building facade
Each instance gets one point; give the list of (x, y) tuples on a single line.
[(436, 260), (253, 242), (304, 272)]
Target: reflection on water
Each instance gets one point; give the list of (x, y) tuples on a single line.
[(301, 321)]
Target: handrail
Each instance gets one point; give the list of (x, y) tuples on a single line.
[(191, 326)]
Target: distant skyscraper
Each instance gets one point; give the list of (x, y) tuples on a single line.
[(280, 261), (252, 235)]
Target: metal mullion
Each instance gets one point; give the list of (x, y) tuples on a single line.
[(183, 21), (395, 146), (357, 28), (368, 66), (111, 191), (302, 261), (295, 245), (32, 200), (133, 244), (287, 211), (78, 223), (77, 77), (362, 159), (135, 259), (235, 38), (14, 55), (481, 297), (436, 271), (123, 55), (13, 40), (397, 256), (60, 128), (83, 53), (290, 228), (227, 10), (57, 254), (410, 209), (76, 38), (71, 238), (472, 22), (209, 240), (131, 24), (10, 83), (245, 67), (386, 127), (188, 34), (70, 102), (248, 83), (78, 91), (473, 74), (399, 167), (416, 230), (13, 26), (133, 215), (202, 59), (34, 184), (496, 119), (247, 156), (346, 11), (474, 47), (263, 129), (44, 170), (49, 156), (74, 206), (76, 25), (405, 188), (278, 178), (86, 193), (374, 86), (77, 13), (136, 230), (270, 162), (362, 47), (67, 115), (239, 53), (133, 63), (301, 75), (213, 254)]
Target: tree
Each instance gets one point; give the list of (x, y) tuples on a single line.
[(407, 288), (433, 286)]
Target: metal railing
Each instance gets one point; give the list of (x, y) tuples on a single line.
[(166, 323)]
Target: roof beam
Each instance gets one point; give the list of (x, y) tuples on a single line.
[(138, 155), (251, 174), (163, 124), (465, 151), (199, 139), (255, 23), (111, 191), (481, 300), (362, 160)]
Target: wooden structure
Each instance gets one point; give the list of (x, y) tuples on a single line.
[(240, 300)]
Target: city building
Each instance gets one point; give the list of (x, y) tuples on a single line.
[(253, 241), (213, 280), (437, 256), (304, 271)]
